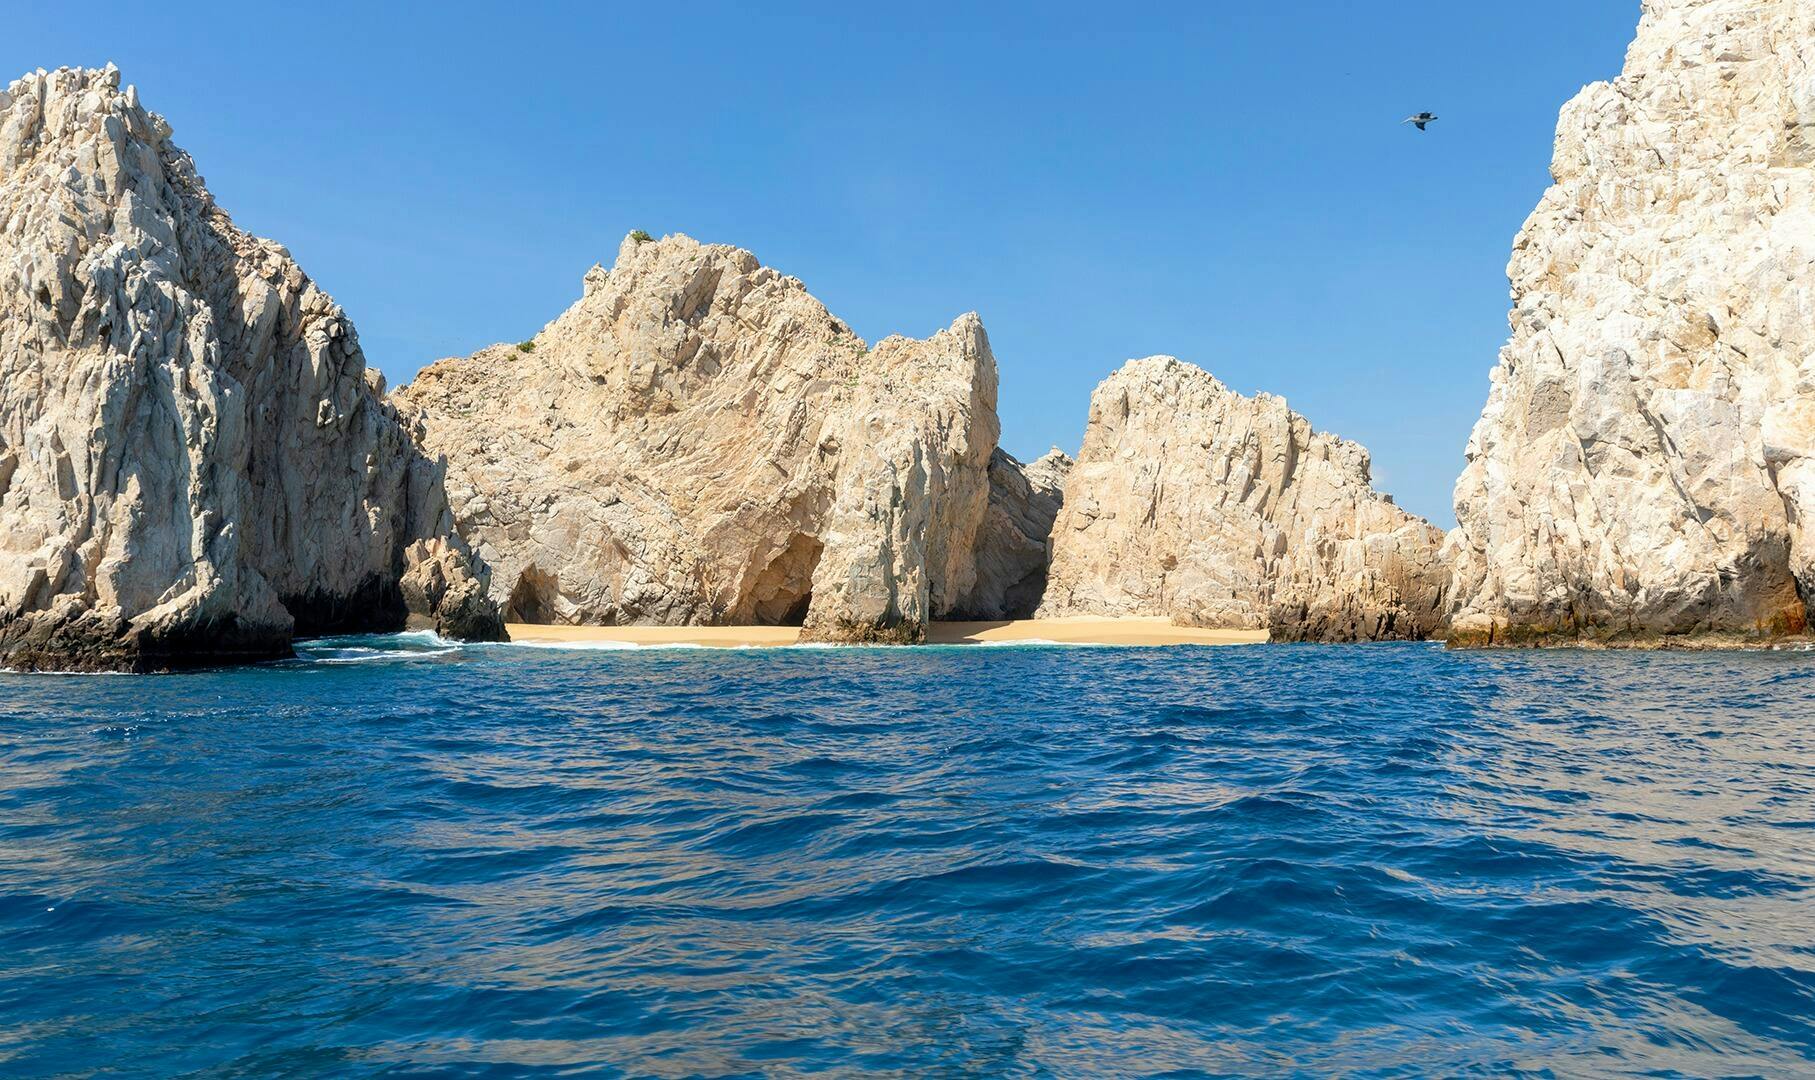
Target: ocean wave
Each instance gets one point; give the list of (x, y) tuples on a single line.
[(407, 645)]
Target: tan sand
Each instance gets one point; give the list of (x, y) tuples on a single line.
[(1090, 630), (1077, 630), (729, 637)]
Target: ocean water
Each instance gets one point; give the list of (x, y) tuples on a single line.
[(395, 857)]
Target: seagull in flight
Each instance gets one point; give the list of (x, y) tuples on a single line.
[(1420, 119)]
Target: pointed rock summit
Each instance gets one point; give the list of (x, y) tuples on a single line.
[(1645, 462), (195, 462), (1194, 502), (697, 440)]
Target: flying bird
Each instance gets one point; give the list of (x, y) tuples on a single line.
[(1420, 119)]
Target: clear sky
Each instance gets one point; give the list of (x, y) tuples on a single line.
[(1225, 182)]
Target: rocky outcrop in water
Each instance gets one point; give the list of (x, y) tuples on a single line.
[(1191, 501), (195, 463), (1645, 463), (697, 440)]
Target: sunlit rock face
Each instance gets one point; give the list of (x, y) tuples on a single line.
[(1191, 501), (1645, 462), (195, 463), (697, 440)]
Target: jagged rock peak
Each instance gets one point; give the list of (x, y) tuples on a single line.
[(1645, 461), (195, 462), (697, 440), (1191, 501)]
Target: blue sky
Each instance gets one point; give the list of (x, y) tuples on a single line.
[(1225, 182)]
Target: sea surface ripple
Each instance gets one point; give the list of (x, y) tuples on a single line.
[(397, 857)]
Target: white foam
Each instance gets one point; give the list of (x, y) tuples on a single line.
[(426, 637), (348, 648), (77, 674), (379, 657)]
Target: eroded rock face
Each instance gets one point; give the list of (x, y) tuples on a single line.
[(1645, 463), (1014, 542), (194, 461), (1191, 501), (697, 440)]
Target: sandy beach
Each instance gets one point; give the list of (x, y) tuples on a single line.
[(1081, 630)]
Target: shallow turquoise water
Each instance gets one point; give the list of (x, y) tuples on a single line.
[(392, 857)]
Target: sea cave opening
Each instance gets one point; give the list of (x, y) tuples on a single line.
[(784, 590), (532, 600)]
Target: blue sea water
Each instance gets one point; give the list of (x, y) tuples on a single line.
[(396, 857)]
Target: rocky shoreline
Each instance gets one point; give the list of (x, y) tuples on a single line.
[(197, 465), (1522, 636)]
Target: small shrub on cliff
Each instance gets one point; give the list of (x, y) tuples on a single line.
[(640, 236), (526, 346)]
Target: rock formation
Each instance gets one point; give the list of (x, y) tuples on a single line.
[(1191, 501), (697, 440), (1645, 463), (195, 463), (1014, 543)]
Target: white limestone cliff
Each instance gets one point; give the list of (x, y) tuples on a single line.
[(1191, 501), (1645, 462), (195, 462)]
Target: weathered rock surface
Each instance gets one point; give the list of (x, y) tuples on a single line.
[(697, 440), (194, 461), (1645, 463), (1013, 544), (1191, 501), (442, 593)]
